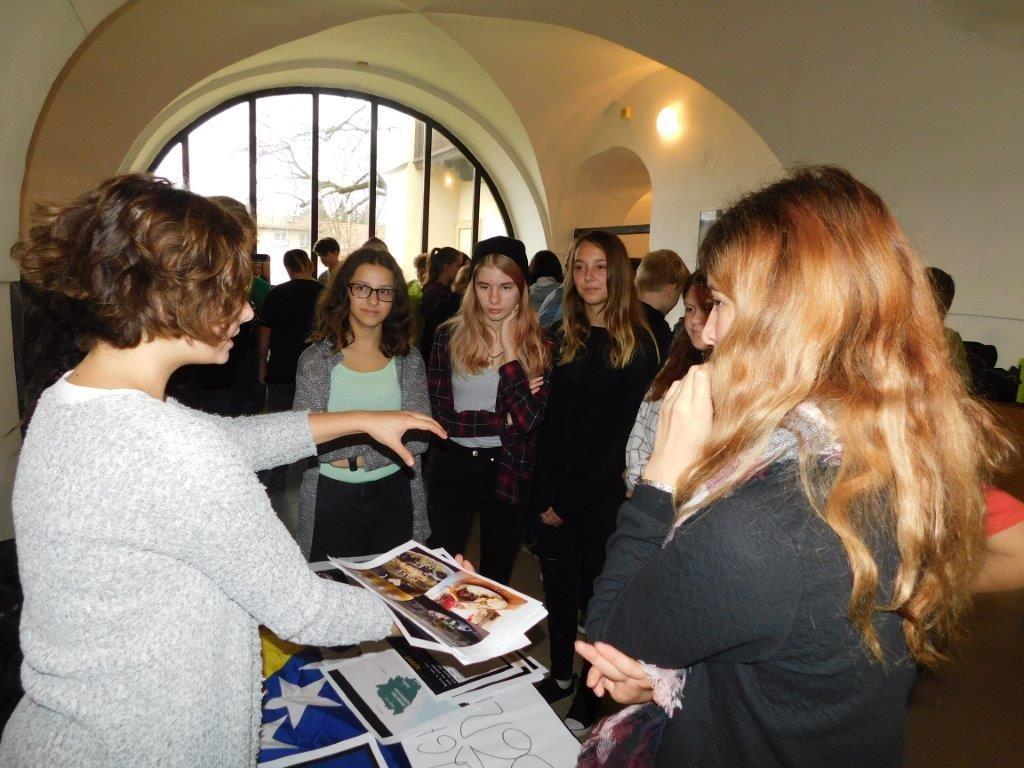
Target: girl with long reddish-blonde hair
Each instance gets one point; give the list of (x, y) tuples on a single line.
[(487, 379), (809, 525)]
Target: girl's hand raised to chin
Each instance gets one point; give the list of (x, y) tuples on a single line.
[(507, 336), (684, 426)]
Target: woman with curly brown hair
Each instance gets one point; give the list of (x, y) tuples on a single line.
[(810, 523), (148, 551), (357, 499)]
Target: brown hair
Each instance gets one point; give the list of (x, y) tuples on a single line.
[(660, 268), (332, 323), (623, 312), (135, 259), (682, 354), (832, 306), (439, 259), (297, 260), (471, 343)]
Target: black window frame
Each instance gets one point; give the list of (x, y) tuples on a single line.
[(480, 174)]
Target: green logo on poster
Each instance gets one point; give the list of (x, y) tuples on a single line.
[(398, 693)]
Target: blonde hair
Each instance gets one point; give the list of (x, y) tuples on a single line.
[(833, 306), (623, 313), (471, 338), (660, 268)]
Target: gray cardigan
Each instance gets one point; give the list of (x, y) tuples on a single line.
[(149, 553), (312, 389)]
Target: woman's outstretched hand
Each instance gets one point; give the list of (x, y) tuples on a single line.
[(386, 427), (615, 673), (684, 425)]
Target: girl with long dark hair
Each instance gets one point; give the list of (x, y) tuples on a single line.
[(357, 500), (607, 357), (488, 384), (440, 302)]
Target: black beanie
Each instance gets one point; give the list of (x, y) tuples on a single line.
[(506, 246)]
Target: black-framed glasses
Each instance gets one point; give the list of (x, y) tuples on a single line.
[(363, 291)]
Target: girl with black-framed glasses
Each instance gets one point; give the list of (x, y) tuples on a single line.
[(357, 499)]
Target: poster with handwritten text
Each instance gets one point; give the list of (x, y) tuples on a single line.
[(513, 729)]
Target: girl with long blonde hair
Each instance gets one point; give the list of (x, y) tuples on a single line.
[(607, 359), (488, 382), (808, 527)]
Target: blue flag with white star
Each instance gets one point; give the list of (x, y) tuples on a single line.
[(302, 712)]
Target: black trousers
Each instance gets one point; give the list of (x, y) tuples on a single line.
[(571, 558), (462, 483), (279, 398), (355, 519)]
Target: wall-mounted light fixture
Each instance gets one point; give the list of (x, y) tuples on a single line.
[(670, 122), (449, 179)]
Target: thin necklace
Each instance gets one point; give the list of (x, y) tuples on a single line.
[(500, 354)]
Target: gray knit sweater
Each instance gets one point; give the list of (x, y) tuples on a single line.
[(149, 553), (312, 391)]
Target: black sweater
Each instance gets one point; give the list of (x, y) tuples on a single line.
[(751, 595), (590, 412)]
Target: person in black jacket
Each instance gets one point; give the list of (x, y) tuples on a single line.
[(439, 303), (806, 530), (660, 279), (607, 358)]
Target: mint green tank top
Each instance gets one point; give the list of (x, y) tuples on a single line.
[(357, 391)]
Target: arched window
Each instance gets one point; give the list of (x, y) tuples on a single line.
[(302, 160)]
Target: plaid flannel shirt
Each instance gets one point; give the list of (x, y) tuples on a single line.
[(517, 415)]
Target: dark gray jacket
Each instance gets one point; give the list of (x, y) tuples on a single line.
[(750, 594)]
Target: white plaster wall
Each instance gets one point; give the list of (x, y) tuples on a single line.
[(717, 157), (453, 89), (36, 39)]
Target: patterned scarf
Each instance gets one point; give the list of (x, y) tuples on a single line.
[(630, 738)]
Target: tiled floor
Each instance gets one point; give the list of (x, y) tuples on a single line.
[(967, 714)]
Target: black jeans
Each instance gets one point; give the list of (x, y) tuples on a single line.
[(462, 484), (355, 519), (571, 558)]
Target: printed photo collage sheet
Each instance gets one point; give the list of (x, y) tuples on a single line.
[(441, 607)]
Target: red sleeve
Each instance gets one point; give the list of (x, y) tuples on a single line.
[(1002, 511)]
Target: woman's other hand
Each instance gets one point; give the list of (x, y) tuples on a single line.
[(465, 564), (684, 425), (613, 672), (550, 517), (535, 384)]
